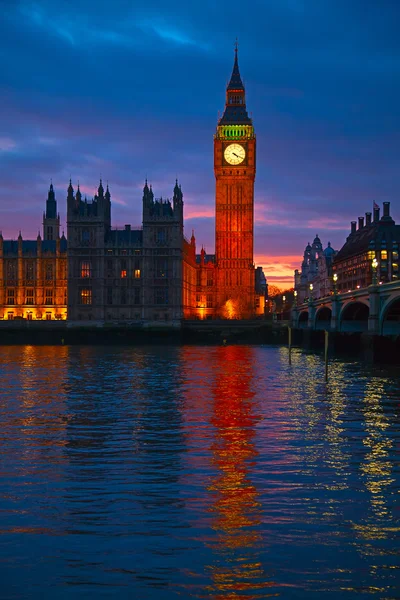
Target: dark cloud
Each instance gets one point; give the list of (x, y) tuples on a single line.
[(127, 89)]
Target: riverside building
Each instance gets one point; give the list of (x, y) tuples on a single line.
[(152, 273)]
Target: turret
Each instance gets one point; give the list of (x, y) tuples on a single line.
[(148, 198), (71, 205), (178, 201), (51, 221), (78, 195), (39, 245)]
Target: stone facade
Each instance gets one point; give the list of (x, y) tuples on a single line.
[(377, 238), (130, 274), (316, 270), (33, 273)]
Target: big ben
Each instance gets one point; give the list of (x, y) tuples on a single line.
[(235, 169)]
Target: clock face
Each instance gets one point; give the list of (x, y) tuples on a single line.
[(234, 154)]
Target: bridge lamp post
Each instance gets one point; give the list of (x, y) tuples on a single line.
[(311, 291), (335, 278), (374, 271)]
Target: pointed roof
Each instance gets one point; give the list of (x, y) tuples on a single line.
[(235, 112), (235, 82)]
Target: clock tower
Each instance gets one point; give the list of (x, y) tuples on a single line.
[(235, 170)]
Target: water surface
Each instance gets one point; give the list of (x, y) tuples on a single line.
[(196, 472)]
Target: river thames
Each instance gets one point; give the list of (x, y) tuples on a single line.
[(197, 472)]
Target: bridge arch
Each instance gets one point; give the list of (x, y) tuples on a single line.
[(303, 319), (354, 316), (323, 317), (389, 322)]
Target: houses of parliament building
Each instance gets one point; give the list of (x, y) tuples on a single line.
[(149, 274)]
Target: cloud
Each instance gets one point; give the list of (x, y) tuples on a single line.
[(135, 91)]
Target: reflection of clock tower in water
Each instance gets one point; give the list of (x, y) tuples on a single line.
[(235, 169)]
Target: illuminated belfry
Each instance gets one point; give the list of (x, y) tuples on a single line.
[(235, 169)]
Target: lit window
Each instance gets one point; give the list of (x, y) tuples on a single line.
[(383, 254), (395, 267), (123, 273), (86, 269), (10, 296), (48, 316), (137, 273), (395, 255), (86, 296)]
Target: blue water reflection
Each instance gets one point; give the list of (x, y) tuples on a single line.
[(196, 472)]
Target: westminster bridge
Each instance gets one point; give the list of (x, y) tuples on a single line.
[(374, 309)]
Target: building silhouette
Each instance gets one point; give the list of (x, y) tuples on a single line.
[(316, 269)]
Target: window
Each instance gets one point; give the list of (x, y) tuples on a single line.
[(86, 296), (49, 272), (124, 295), (161, 236), (209, 301), (29, 296), (109, 295), (198, 278), (85, 237), (383, 254), (395, 255), (10, 316), (29, 271), (161, 295), (395, 266), (124, 273), (86, 269), (136, 273), (10, 296), (11, 270), (48, 298), (49, 233), (210, 280), (48, 316), (161, 268), (29, 316), (136, 296)]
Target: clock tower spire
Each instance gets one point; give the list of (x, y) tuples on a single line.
[(235, 169)]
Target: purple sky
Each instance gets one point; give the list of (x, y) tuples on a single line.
[(128, 89)]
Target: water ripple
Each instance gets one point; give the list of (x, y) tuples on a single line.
[(196, 472)]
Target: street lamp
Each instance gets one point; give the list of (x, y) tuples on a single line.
[(335, 278), (295, 297), (311, 290), (374, 271)]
